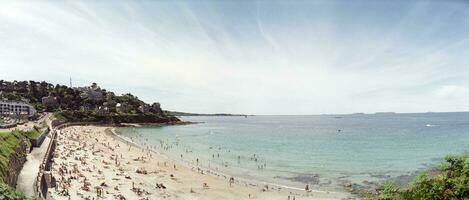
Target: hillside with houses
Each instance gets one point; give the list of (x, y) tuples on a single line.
[(79, 104)]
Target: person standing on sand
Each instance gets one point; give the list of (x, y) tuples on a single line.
[(231, 181)]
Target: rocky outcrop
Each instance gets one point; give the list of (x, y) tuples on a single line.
[(17, 160)]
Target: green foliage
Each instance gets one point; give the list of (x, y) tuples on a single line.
[(79, 116), (8, 193), (32, 134), (82, 104), (59, 116), (450, 182), (390, 191), (9, 142)]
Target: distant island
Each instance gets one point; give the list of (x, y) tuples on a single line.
[(176, 113)]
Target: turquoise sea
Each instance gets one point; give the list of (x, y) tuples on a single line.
[(324, 151)]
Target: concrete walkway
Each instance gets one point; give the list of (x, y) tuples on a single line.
[(30, 169)]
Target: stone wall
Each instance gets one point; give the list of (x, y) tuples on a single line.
[(40, 184)]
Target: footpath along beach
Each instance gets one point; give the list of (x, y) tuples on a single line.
[(91, 162)]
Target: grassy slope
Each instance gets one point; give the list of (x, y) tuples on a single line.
[(8, 143), (33, 134)]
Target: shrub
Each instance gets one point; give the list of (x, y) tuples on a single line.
[(8, 193), (451, 181)]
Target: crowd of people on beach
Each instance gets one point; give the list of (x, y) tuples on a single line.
[(90, 164), (176, 145), (85, 163)]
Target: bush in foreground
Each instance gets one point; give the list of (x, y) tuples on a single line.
[(451, 181), (7, 193)]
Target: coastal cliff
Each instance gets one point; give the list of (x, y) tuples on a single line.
[(16, 162), (13, 152)]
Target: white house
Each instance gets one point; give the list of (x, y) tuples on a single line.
[(16, 108)]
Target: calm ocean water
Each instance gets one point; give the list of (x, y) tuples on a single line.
[(323, 151)]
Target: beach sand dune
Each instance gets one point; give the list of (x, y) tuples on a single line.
[(91, 162)]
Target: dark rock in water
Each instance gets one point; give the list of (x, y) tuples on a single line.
[(362, 191), (347, 184), (380, 176), (372, 186), (312, 179), (343, 177), (403, 180), (370, 183), (329, 182)]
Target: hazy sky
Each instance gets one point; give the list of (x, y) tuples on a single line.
[(255, 57)]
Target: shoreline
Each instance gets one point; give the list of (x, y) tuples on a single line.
[(91, 155), (217, 173), (142, 125)]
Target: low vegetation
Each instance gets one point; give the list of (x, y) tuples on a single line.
[(8, 193), (450, 181), (31, 134), (9, 141)]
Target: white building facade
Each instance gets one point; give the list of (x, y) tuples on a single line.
[(16, 108)]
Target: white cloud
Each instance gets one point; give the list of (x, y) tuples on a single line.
[(212, 58), (451, 91)]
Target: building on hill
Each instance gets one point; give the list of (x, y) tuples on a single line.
[(16, 108), (102, 111), (92, 95), (122, 108), (92, 92), (49, 101)]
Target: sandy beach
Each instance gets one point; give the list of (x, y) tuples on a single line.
[(92, 162)]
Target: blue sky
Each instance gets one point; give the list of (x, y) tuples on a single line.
[(256, 57)]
